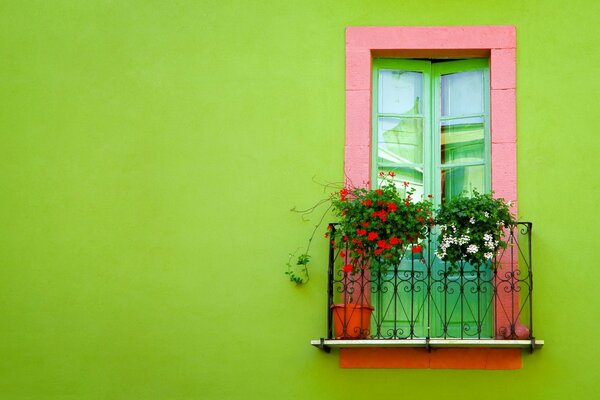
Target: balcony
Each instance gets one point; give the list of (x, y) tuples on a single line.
[(421, 301)]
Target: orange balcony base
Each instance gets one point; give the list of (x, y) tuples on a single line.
[(482, 358), (442, 354)]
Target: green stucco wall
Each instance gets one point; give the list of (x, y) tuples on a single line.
[(150, 152)]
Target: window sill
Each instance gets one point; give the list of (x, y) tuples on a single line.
[(326, 344)]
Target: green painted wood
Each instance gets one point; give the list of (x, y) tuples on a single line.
[(395, 303), (468, 312), (447, 68), (418, 66)]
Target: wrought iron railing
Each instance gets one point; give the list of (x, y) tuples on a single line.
[(422, 297)]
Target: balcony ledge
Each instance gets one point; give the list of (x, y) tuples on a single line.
[(326, 344)]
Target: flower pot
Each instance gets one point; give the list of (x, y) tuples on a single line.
[(521, 332), (352, 321)]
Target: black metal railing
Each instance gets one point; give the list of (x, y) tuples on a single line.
[(421, 296)]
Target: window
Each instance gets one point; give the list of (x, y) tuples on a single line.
[(460, 165), (430, 124)]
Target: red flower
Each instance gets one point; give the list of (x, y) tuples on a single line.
[(372, 236), (326, 234), (379, 192), (392, 207), (345, 238), (405, 184), (377, 251), (365, 224), (418, 209), (394, 240), (333, 242), (347, 268), (391, 173), (343, 193), (342, 254), (361, 232), (383, 215), (381, 173), (381, 203), (367, 202), (420, 219), (417, 248), (406, 203), (382, 243)]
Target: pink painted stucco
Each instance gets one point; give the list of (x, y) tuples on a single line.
[(430, 37), (496, 42)]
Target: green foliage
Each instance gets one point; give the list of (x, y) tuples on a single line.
[(473, 229), (298, 275), (376, 227)]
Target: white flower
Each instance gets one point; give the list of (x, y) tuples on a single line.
[(472, 249), (440, 255), (488, 255), (472, 220), (489, 241), (464, 239), (487, 214), (509, 203)]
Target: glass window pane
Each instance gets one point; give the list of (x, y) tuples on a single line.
[(400, 140), (456, 180), (412, 175), (400, 92), (462, 93), (462, 140)]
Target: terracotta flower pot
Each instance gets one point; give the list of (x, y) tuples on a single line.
[(521, 332), (352, 321)]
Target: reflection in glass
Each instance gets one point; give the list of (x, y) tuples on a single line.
[(400, 92), (462, 93), (400, 140), (462, 140), (456, 180), (412, 175)]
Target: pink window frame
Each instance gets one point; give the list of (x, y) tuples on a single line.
[(499, 44), (496, 42)]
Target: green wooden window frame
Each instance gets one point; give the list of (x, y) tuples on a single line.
[(429, 109), (432, 72)]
